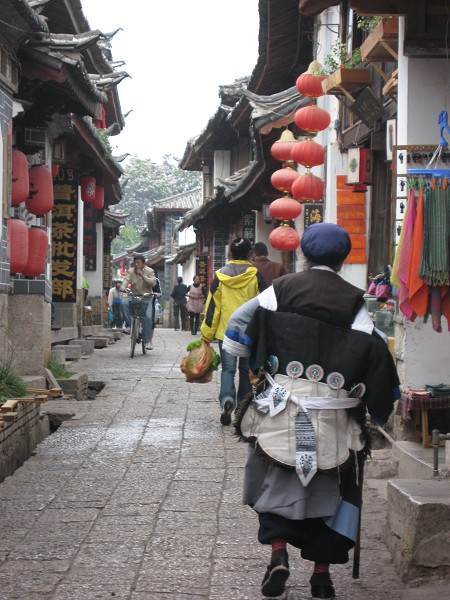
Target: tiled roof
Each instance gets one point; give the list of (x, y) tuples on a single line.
[(184, 201)]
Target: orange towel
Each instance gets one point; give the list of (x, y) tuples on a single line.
[(418, 289), (445, 304)]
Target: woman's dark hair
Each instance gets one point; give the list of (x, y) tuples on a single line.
[(240, 249), (179, 280)]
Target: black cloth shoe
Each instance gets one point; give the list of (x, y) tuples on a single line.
[(225, 417), (274, 582), (322, 586)]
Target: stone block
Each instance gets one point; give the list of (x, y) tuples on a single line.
[(76, 386), (4, 334), (29, 331), (70, 352), (87, 346), (447, 454), (59, 354), (381, 468), (100, 342), (35, 382), (19, 437), (418, 532), (117, 335)]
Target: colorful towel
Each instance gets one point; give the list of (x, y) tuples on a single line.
[(400, 271), (418, 289), (435, 259)]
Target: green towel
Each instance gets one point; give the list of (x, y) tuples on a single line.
[(435, 255), (438, 390)]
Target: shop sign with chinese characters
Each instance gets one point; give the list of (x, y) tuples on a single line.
[(90, 238), (64, 236), (313, 214)]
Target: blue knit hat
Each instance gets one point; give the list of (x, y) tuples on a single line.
[(326, 244)]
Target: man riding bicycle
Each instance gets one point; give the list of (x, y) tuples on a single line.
[(141, 280)]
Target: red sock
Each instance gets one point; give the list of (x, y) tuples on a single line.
[(278, 546), (321, 567)]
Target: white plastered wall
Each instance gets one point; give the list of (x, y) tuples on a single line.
[(95, 278), (424, 354)]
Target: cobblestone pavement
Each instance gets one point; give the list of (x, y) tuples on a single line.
[(139, 498)]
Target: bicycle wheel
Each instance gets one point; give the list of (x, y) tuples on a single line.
[(144, 349), (133, 336)]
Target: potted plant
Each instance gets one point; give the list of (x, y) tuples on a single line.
[(381, 45), (344, 72)]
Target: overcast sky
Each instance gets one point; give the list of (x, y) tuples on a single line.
[(177, 53)]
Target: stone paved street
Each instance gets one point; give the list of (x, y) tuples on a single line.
[(139, 498)]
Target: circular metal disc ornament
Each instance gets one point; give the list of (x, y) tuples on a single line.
[(335, 381), (358, 391), (314, 373), (295, 369), (273, 364)]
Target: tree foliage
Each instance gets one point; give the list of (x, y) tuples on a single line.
[(128, 236), (145, 181)]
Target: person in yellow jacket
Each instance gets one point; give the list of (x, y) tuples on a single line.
[(233, 285)]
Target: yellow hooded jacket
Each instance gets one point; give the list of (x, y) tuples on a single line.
[(233, 285)]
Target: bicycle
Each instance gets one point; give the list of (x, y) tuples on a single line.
[(138, 308)]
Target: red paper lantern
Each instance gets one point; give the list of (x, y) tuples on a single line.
[(312, 118), (308, 153), (310, 85), (99, 200), (284, 238), (88, 186), (17, 245), (308, 188), (37, 252), (20, 178), (285, 209), (281, 149), (283, 179), (40, 200)]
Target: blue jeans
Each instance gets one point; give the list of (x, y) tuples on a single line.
[(147, 326), (147, 322), (227, 386)]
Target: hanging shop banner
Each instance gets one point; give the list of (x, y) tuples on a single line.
[(64, 236), (202, 269), (90, 238), (313, 213), (249, 227), (107, 271)]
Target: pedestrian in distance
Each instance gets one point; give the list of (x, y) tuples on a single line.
[(195, 304), (319, 365), (115, 304), (178, 296), (269, 269), (233, 285), (141, 280)]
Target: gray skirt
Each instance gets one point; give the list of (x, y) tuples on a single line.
[(269, 488)]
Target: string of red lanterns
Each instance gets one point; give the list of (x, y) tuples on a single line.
[(308, 153), (40, 200), (37, 252)]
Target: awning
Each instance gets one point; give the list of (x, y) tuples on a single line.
[(311, 8), (182, 255)]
